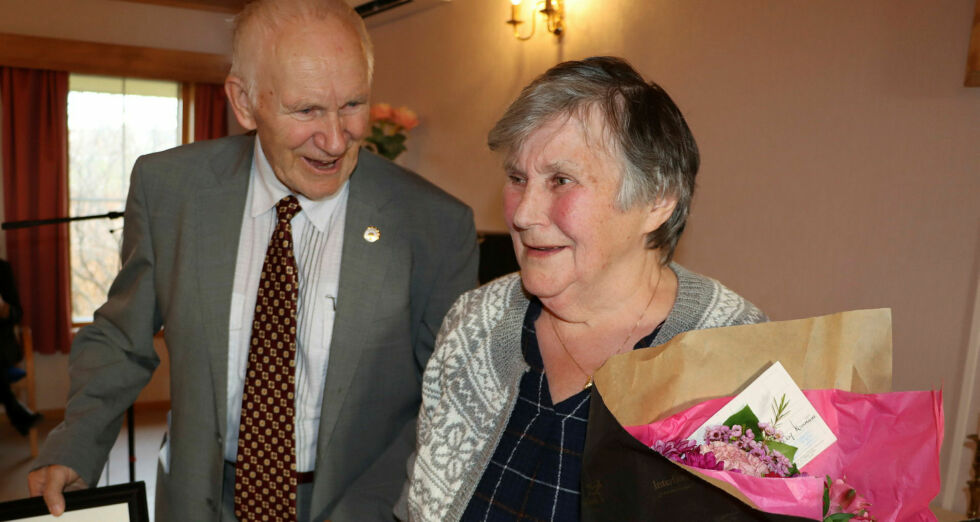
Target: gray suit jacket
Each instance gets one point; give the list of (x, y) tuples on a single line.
[(183, 221)]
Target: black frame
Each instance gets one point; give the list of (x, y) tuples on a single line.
[(132, 494)]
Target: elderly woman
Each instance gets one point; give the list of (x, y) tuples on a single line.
[(600, 169)]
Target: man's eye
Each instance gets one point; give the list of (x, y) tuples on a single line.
[(515, 179), (562, 180)]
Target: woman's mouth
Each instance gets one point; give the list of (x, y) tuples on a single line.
[(542, 250)]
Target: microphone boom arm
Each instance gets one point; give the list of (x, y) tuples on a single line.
[(10, 225)]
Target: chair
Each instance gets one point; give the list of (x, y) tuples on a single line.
[(24, 388)]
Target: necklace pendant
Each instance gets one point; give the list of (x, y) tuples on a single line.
[(588, 383)]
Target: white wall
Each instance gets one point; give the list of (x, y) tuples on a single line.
[(124, 23), (841, 152)]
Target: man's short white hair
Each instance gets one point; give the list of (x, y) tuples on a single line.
[(261, 19)]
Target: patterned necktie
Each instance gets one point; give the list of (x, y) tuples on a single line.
[(265, 471)]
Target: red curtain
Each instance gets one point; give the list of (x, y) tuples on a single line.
[(210, 112), (34, 107)]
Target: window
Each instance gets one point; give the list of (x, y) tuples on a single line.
[(111, 122)]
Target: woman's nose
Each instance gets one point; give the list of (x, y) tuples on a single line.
[(532, 208)]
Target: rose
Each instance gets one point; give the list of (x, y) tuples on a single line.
[(381, 112), (405, 118), (389, 129)]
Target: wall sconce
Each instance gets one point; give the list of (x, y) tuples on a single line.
[(553, 11)]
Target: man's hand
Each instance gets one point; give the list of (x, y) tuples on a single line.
[(50, 481)]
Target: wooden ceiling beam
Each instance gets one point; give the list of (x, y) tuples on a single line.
[(223, 6), (113, 60)]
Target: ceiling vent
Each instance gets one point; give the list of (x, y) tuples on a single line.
[(380, 11)]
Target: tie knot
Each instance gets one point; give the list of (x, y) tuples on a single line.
[(287, 208)]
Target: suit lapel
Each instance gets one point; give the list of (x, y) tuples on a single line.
[(362, 273), (218, 215)]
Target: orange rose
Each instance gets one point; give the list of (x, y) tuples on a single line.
[(381, 112), (405, 118)]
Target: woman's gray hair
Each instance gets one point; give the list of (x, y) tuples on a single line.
[(658, 152), (262, 18)]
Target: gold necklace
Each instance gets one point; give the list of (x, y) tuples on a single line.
[(588, 381)]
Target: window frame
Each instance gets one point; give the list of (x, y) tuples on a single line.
[(127, 61), (119, 86)]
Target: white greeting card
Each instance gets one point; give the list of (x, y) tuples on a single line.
[(800, 423)]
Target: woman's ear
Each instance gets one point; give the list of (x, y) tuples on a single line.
[(660, 212), (241, 103)]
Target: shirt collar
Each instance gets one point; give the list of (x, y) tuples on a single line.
[(268, 190)]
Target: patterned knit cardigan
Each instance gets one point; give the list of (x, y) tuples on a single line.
[(471, 382)]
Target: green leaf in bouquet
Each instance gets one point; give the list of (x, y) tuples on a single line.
[(839, 517), (747, 420), (389, 146), (787, 450), (826, 494), (780, 409)]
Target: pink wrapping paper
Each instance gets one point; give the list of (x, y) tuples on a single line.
[(887, 449)]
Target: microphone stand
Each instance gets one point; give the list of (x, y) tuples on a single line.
[(11, 225), (130, 423)]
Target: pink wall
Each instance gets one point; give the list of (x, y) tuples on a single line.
[(841, 153)]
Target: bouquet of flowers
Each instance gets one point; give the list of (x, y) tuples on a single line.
[(817, 454), (389, 129)]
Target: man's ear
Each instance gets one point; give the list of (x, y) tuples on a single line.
[(660, 212), (240, 102)]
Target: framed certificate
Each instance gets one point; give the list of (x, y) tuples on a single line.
[(124, 503)]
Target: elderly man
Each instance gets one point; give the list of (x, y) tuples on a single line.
[(295, 361)]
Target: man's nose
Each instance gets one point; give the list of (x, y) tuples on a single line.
[(330, 135)]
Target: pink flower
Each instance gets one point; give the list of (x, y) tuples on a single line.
[(736, 459), (703, 460), (405, 118), (844, 499), (687, 452), (381, 112)]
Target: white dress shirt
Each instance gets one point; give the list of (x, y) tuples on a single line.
[(318, 237)]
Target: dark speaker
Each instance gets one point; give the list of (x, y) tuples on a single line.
[(496, 256)]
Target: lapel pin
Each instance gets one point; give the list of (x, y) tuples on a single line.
[(372, 234)]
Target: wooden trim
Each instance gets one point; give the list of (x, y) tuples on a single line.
[(77, 56), (187, 111), (973, 57), (964, 423), (221, 6)]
